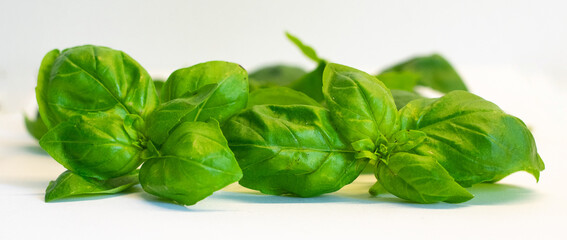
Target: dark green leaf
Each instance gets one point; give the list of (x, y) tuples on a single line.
[(96, 147), (275, 75), (91, 79), (69, 184), (195, 161), (279, 96), (361, 106), (472, 138), (158, 84), (419, 179), (36, 127), (307, 50), (229, 97), (435, 72), (290, 150)]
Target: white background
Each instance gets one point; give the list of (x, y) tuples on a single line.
[(510, 52)]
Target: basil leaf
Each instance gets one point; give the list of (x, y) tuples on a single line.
[(419, 179), (307, 50), (229, 97), (69, 184), (402, 98), (311, 83), (158, 84), (36, 127), (434, 71), (195, 161), (279, 96), (274, 75), (91, 79), (399, 80), (174, 112), (472, 138), (290, 150), (98, 147), (361, 106)]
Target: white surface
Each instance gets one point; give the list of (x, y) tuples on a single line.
[(509, 52)]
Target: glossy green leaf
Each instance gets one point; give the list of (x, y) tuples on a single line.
[(69, 184), (195, 161), (279, 96), (434, 71), (472, 138), (419, 179), (274, 75), (400, 80), (361, 106), (174, 112), (290, 149), (98, 147), (230, 96), (35, 127), (307, 50), (91, 79)]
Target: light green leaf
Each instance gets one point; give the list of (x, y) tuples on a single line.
[(279, 96), (307, 50)]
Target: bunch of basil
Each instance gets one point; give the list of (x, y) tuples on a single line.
[(298, 133)]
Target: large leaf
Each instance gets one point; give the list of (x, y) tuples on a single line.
[(472, 138), (279, 96), (229, 97), (69, 184), (419, 179), (194, 162), (434, 71), (99, 147), (361, 106), (92, 79), (290, 150)]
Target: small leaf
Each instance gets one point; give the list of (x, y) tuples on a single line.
[(307, 50), (69, 184), (194, 162), (419, 179), (402, 98), (399, 80), (36, 127), (230, 96), (406, 140)]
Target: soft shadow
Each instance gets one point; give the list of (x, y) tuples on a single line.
[(497, 193), (169, 204), (261, 198), (34, 149)]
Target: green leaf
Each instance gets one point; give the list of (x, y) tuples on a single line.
[(419, 179), (311, 83), (229, 97), (36, 127), (174, 112), (91, 79), (69, 184), (434, 71), (402, 98), (195, 161), (97, 147), (290, 150), (472, 138), (279, 96), (274, 75), (307, 50), (158, 84), (361, 106), (400, 80)]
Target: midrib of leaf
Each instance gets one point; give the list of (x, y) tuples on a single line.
[(100, 83), (287, 148)]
